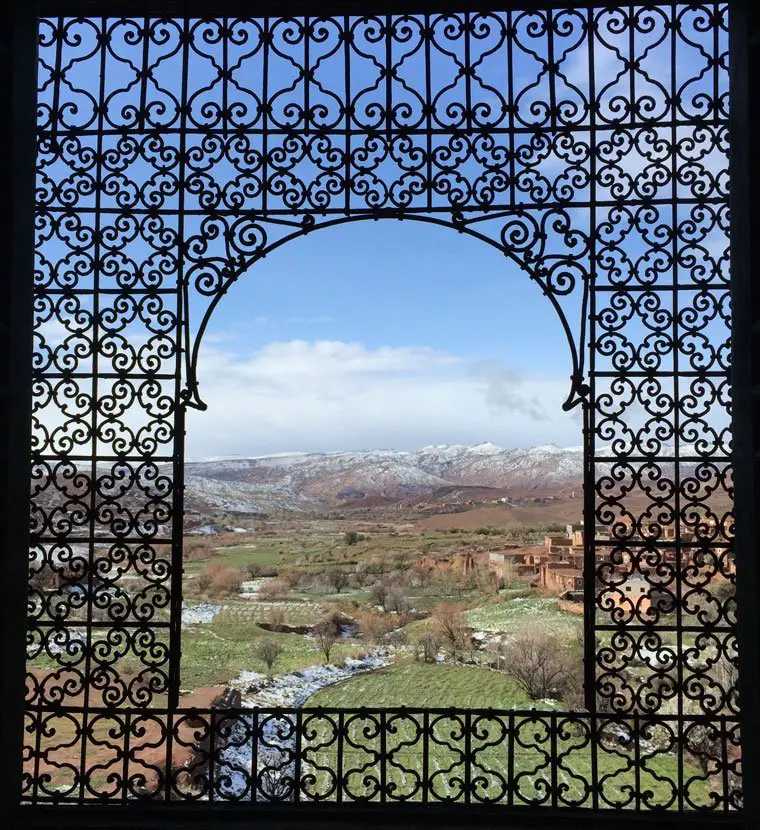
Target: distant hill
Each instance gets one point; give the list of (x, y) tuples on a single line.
[(297, 482)]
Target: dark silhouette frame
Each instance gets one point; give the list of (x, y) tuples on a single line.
[(741, 365)]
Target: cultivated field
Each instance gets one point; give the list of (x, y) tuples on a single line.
[(535, 612), (364, 611), (424, 685)]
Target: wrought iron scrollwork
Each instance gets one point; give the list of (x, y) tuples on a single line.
[(589, 146)]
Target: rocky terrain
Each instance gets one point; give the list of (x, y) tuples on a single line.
[(297, 482)]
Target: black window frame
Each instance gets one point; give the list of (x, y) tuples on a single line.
[(17, 64)]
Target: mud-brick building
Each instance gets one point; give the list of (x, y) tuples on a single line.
[(561, 577), (512, 563)]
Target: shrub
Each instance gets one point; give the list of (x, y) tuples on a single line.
[(539, 663), (44, 579), (276, 589), (327, 633), (276, 618), (375, 626), (293, 577), (268, 650), (220, 581), (350, 537), (397, 638), (704, 744), (426, 648), (195, 551), (450, 628), (571, 689), (129, 668), (226, 582)]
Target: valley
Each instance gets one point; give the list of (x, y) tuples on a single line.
[(451, 577)]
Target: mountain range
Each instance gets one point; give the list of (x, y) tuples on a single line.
[(296, 482)]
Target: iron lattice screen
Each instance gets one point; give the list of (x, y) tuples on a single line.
[(590, 147)]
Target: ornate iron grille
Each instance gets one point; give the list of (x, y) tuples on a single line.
[(590, 147)]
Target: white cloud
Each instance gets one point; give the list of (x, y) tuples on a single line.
[(503, 391), (331, 395)]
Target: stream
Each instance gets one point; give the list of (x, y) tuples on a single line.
[(276, 745)]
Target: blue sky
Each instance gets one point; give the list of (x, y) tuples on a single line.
[(382, 334), (391, 283)]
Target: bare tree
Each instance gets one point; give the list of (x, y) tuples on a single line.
[(327, 634), (402, 559), (421, 575), (276, 618), (480, 579), (509, 573), (449, 583), (379, 592), (337, 578), (539, 663), (362, 574), (268, 650), (427, 648), (450, 627), (398, 602)]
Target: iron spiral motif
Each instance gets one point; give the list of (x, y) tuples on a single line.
[(590, 147)]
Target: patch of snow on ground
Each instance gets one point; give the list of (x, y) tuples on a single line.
[(67, 640), (204, 612), (204, 530), (276, 759), (291, 690)]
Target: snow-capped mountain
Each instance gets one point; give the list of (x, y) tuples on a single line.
[(304, 481)]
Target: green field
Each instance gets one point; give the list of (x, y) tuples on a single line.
[(537, 613), (216, 652), (407, 764), (313, 547), (429, 685), (251, 610), (263, 554), (267, 554), (401, 761)]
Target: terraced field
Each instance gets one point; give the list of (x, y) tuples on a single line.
[(528, 778), (429, 685), (410, 767), (537, 613), (254, 611), (214, 653)]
